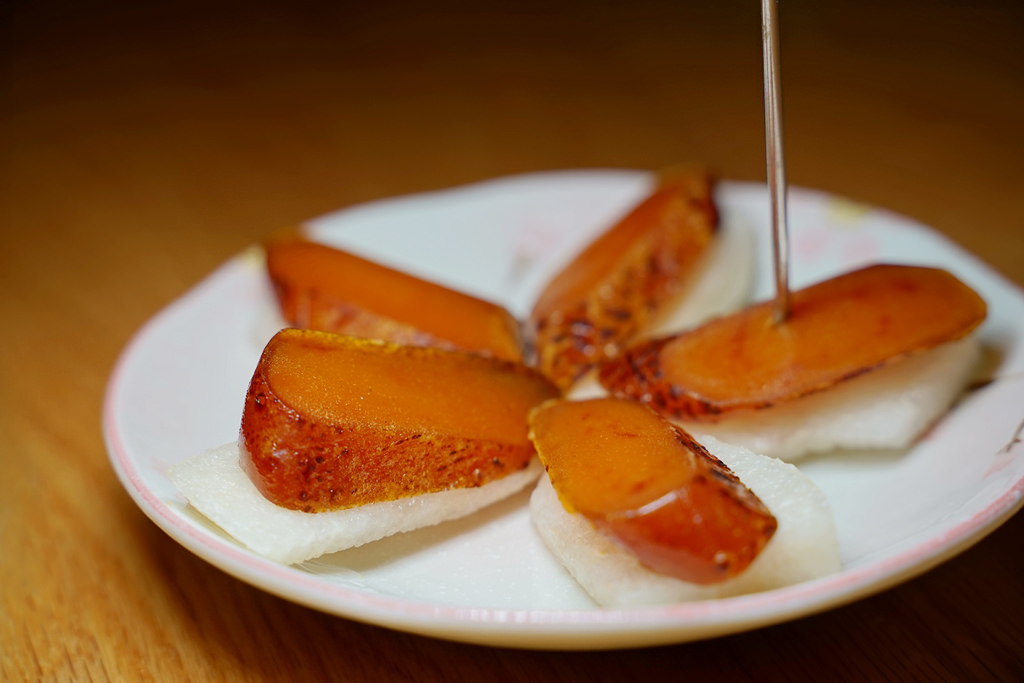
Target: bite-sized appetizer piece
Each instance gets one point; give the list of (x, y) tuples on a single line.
[(865, 359), (323, 288), (640, 513), (372, 437), (332, 421), (621, 282), (647, 483)]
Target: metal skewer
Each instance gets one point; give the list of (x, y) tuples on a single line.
[(775, 156)]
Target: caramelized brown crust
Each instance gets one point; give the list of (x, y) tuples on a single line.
[(608, 293), (332, 422), (646, 482), (322, 288), (837, 329)]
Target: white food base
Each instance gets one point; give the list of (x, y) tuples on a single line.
[(804, 546), (214, 483), (887, 408)]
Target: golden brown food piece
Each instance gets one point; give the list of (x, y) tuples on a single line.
[(836, 330), (636, 476), (322, 288), (623, 279), (332, 421)]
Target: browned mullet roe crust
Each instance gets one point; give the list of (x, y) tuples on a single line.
[(332, 422), (612, 289)]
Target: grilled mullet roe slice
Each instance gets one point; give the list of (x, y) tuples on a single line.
[(837, 329), (646, 482), (332, 422), (322, 288), (623, 279)]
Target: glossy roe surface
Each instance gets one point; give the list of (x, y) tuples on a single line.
[(649, 484), (606, 295), (333, 421), (324, 288), (837, 330)]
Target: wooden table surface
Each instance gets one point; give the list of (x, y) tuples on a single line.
[(143, 144)]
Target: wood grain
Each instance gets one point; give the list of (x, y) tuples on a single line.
[(141, 145)]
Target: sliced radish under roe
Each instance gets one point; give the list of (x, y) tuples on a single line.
[(837, 329), (645, 481)]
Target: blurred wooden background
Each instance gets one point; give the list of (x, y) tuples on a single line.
[(143, 144)]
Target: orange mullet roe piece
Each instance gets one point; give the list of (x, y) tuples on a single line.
[(646, 482), (623, 279), (837, 329), (322, 288), (332, 422)]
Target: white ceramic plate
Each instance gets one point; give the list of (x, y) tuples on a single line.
[(179, 386)]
